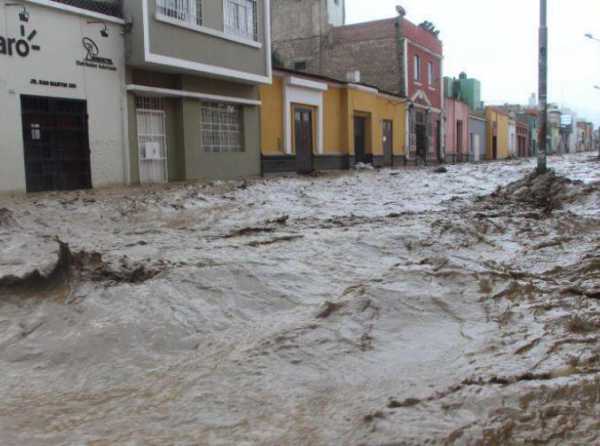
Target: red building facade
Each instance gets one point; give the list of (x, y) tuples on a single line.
[(423, 58)]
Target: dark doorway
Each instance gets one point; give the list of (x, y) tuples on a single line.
[(360, 139), (303, 139), (438, 144), (459, 141), (495, 147), (56, 144), (421, 142), (388, 142)]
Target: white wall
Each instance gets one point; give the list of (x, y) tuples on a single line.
[(60, 35), (303, 92)]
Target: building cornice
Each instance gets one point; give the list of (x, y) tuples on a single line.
[(167, 92), (77, 11)]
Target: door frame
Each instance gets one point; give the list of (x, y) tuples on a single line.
[(368, 134), (165, 159), (314, 115), (85, 130)]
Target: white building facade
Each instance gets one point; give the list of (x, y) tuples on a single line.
[(62, 90)]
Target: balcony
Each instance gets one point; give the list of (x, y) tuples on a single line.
[(107, 7)]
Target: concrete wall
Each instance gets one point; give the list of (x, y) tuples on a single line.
[(298, 30), (59, 35)]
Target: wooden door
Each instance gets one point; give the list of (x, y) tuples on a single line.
[(303, 139)]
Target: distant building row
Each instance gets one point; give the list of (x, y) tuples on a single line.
[(443, 119)]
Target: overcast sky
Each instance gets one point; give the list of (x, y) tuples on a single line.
[(496, 42)]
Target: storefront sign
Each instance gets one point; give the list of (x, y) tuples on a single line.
[(93, 59), (46, 83), (23, 46)]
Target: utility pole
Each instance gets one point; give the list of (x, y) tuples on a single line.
[(543, 89)]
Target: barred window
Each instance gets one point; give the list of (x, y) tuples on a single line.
[(221, 128), (188, 11), (241, 18)]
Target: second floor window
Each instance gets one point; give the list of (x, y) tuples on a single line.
[(188, 11), (417, 68), (241, 18), (430, 73)]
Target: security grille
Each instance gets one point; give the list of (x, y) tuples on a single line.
[(241, 18), (108, 7), (152, 140), (189, 11), (221, 128)]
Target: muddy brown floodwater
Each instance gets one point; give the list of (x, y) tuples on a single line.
[(391, 307)]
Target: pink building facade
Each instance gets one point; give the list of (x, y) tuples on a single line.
[(457, 130)]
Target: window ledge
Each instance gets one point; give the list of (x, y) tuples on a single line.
[(205, 30)]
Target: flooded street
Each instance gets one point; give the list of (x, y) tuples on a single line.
[(391, 307)]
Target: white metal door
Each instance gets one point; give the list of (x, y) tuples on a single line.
[(476, 147), (152, 144)]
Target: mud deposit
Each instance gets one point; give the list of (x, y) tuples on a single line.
[(365, 308)]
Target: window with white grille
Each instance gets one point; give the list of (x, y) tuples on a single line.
[(221, 128), (188, 11), (241, 18)]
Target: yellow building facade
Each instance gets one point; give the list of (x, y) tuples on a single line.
[(497, 134), (310, 122)]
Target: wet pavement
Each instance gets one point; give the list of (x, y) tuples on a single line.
[(390, 307)]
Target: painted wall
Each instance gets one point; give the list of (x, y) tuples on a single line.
[(497, 125), (477, 127), (429, 49), (187, 160), (456, 111), (471, 91), (271, 121), (197, 50), (59, 35), (376, 108), (202, 165), (340, 103), (336, 128)]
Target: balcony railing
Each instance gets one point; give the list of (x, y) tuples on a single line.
[(107, 7)]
